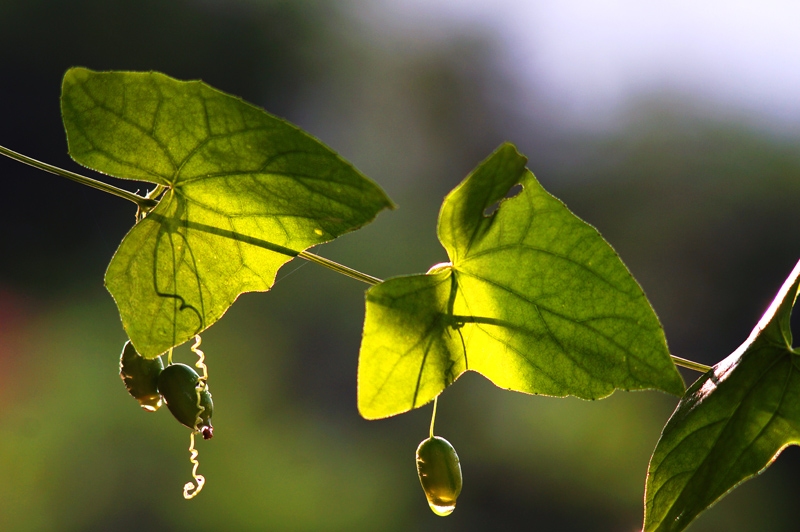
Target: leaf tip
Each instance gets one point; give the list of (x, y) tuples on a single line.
[(76, 72)]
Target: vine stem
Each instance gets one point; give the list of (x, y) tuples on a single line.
[(340, 268), (678, 361), (147, 203), (144, 204), (363, 277)]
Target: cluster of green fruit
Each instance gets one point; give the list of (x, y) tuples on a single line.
[(178, 385), (188, 399)]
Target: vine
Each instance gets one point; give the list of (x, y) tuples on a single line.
[(533, 298)]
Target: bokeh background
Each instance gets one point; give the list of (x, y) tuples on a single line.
[(673, 128)]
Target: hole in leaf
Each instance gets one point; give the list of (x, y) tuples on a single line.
[(512, 192)]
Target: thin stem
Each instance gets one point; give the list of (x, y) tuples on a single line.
[(339, 268), (678, 361), (147, 203), (433, 416), (363, 277), (144, 204)]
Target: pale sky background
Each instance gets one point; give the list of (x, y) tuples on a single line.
[(740, 59)]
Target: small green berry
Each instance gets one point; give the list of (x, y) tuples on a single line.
[(140, 376), (439, 473), (181, 385)]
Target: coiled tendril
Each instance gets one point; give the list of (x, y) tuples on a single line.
[(190, 489)]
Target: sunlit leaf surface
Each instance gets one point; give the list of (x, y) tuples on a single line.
[(245, 192), (535, 300), (731, 424)]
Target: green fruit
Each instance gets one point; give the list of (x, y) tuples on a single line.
[(439, 473), (140, 376), (180, 386)]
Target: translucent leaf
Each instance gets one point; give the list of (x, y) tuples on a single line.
[(731, 424), (535, 300), (245, 192)]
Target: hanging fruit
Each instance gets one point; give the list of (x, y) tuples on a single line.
[(439, 473), (140, 376), (187, 397)]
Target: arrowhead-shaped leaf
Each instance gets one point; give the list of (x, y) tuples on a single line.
[(731, 424), (535, 300), (245, 192)]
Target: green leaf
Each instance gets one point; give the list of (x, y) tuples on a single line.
[(731, 424), (535, 300), (245, 193)]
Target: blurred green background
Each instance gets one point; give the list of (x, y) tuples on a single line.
[(700, 204)]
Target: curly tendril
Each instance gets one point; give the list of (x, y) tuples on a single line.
[(189, 489), (201, 386), (201, 356)]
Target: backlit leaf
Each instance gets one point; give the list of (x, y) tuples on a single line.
[(731, 424), (535, 300), (245, 192)]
